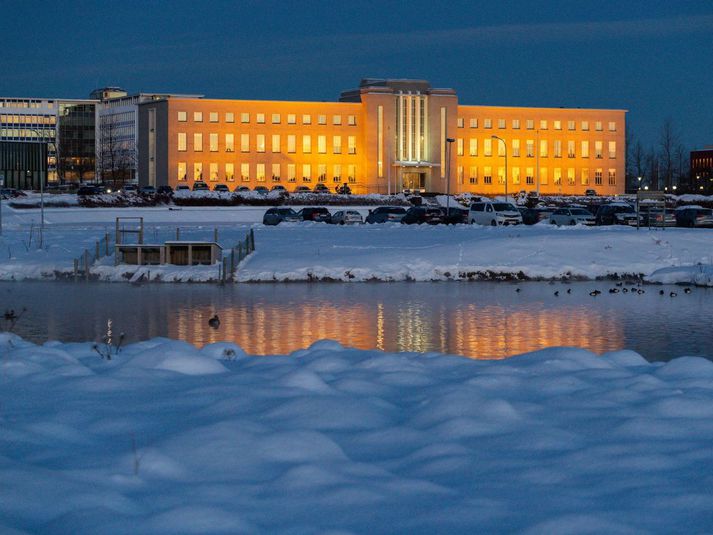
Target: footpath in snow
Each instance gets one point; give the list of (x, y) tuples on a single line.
[(167, 438)]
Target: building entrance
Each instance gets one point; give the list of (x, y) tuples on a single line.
[(414, 181)]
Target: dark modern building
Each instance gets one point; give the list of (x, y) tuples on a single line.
[(23, 165), (702, 170)]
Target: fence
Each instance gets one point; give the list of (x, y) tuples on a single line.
[(238, 253), (82, 264)]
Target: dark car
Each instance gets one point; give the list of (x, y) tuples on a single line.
[(694, 216), (279, 188), (344, 189), (129, 188), (384, 214), (222, 188), (86, 190), (422, 214), (616, 214), (591, 193), (455, 215), (275, 216), (147, 190), (315, 213), (242, 189), (183, 187), (199, 185), (164, 190), (321, 188), (302, 189), (262, 190)]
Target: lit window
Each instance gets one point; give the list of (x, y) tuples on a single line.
[(598, 150), (530, 124), (291, 172), (516, 124), (351, 144), (473, 147), (543, 124), (197, 171), (487, 123), (182, 116), (351, 173), (229, 142), (473, 174), (229, 117), (275, 172), (213, 118), (598, 126), (198, 142), (322, 144), (182, 172), (543, 175), (306, 172), (598, 177), (213, 142), (530, 147), (474, 123), (321, 172), (244, 117), (460, 174), (530, 176), (460, 122), (515, 175), (260, 143), (307, 144), (336, 173), (585, 125), (570, 125), (197, 116), (321, 119), (487, 147), (275, 142), (291, 118), (230, 172), (459, 146), (337, 144), (306, 119), (213, 170), (570, 149), (501, 123), (557, 125), (244, 143), (557, 177), (260, 172), (260, 118), (351, 121), (516, 148), (557, 148), (585, 177), (543, 148), (612, 150), (612, 126), (245, 172), (291, 143), (336, 120), (488, 175), (182, 141), (275, 118), (570, 176), (501, 147)]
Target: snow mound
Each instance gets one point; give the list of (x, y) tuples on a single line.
[(178, 357)]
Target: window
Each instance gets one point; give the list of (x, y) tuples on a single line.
[(585, 177), (488, 175), (585, 149), (182, 141), (351, 120), (337, 144), (598, 126), (557, 148), (182, 172), (516, 148), (473, 147), (516, 175), (598, 150), (230, 172), (244, 117), (307, 144), (460, 174), (229, 142), (543, 175), (612, 126), (351, 144), (291, 118), (182, 116), (197, 142), (351, 173), (197, 171), (530, 124), (213, 142), (570, 125), (197, 116), (487, 123), (275, 172), (260, 143), (260, 118), (306, 172), (459, 146), (322, 172), (321, 119), (543, 124), (585, 126), (291, 172), (260, 172), (229, 117), (501, 147), (306, 119), (612, 177), (612, 150), (245, 172), (530, 176), (213, 170), (557, 177), (501, 123), (337, 121), (487, 147), (516, 124), (543, 148), (530, 148), (213, 118), (275, 118), (275, 142), (598, 177), (322, 144), (336, 173), (570, 176), (460, 122), (473, 174), (291, 143), (244, 143), (570, 149), (474, 123), (557, 125)]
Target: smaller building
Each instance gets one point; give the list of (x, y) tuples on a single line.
[(23, 165), (701, 176)]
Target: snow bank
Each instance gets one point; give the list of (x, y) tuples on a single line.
[(167, 438), (699, 275)]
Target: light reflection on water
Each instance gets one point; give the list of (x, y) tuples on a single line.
[(480, 320)]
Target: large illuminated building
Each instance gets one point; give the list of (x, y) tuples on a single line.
[(385, 136)]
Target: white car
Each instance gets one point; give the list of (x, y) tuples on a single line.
[(346, 217), (572, 216), (494, 213)]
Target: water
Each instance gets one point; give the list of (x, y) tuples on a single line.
[(480, 320)]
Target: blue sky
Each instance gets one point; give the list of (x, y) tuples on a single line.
[(653, 58)]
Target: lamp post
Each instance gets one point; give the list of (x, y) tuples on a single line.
[(505, 146), (639, 179), (42, 188), (449, 142)]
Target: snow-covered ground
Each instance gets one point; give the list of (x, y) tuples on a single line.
[(167, 438), (309, 251)]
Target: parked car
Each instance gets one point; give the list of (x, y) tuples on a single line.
[(455, 215), (199, 185), (222, 188), (494, 213), (275, 216), (183, 187), (88, 189), (423, 214), (590, 192), (303, 189), (262, 190), (532, 216), (384, 214), (657, 217), (279, 187), (346, 217), (242, 189), (572, 216), (616, 214), (165, 190), (9, 193), (147, 190), (321, 188), (344, 189), (694, 216), (128, 188), (315, 213)]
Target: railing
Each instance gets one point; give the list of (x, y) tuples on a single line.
[(82, 264), (238, 253)]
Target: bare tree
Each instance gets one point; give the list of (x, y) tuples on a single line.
[(680, 158), (668, 142)]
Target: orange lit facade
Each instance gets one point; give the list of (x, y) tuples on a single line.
[(385, 136)]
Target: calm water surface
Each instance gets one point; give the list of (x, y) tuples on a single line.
[(480, 320)]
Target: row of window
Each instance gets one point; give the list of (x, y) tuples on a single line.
[(530, 148), (28, 119), (260, 172), (543, 124), (260, 141), (260, 118), (25, 103), (516, 176)]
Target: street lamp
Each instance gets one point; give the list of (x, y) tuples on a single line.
[(505, 146), (449, 142), (640, 182), (42, 189)]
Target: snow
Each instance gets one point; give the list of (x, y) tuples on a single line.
[(169, 438)]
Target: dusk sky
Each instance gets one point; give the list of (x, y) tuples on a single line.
[(653, 58)]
